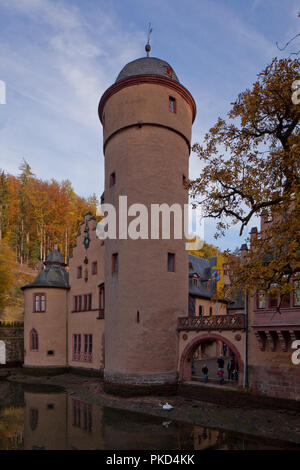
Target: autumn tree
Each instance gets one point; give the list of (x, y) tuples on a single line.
[(4, 202), (251, 164), (7, 272), (206, 251)]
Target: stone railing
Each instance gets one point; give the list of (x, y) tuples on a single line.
[(213, 322)]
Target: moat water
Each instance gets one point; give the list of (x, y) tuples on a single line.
[(36, 417)]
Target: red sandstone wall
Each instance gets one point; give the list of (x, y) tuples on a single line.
[(86, 322), (149, 162), (271, 372)]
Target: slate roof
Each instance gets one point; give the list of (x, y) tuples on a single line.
[(147, 66), (201, 267), (54, 273), (55, 257), (238, 303)]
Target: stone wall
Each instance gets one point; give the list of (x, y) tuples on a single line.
[(13, 337), (275, 380)]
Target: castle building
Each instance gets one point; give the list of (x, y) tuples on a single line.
[(138, 311), (122, 309), (271, 336)]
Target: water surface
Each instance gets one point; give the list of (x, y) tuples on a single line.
[(46, 417)]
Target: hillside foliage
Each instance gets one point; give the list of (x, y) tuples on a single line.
[(35, 214)]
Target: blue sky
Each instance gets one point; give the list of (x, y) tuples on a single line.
[(58, 57)]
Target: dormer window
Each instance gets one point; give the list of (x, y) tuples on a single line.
[(195, 281), (172, 104)]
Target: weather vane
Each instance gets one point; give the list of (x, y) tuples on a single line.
[(148, 47)]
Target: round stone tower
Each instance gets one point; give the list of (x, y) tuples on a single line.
[(45, 315), (147, 117)]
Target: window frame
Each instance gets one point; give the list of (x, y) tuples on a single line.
[(94, 267), (172, 104), (112, 179), (296, 288), (270, 298), (258, 294), (172, 255), (41, 297), (33, 340), (79, 272), (115, 263)]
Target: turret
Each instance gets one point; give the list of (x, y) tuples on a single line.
[(147, 117)]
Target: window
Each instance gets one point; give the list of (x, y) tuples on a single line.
[(112, 179), (85, 302), (86, 343), (34, 340), (94, 267), (171, 262), (172, 104), (115, 263), (195, 281), (297, 294), (76, 347), (200, 310), (183, 180), (210, 310), (79, 303), (101, 297), (50, 352), (273, 300), (39, 303), (90, 344), (33, 418), (285, 300), (89, 303), (75, 303), (75, 343), (79, 272), (261, 300)]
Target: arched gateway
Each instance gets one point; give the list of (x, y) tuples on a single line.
[(189, 343)]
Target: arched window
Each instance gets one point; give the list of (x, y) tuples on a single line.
[(34, 340)]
